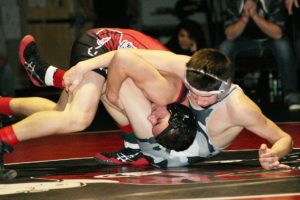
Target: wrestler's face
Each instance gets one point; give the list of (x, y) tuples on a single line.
[(202, 99), (159, 119)]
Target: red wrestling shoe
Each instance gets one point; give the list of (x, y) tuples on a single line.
[(34, 65), (125, 156)]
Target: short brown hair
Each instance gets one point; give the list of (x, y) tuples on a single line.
[(211, 61)]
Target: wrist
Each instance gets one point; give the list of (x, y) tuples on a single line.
[(243, 20), (80, 67), (242, 23), (255, 17)]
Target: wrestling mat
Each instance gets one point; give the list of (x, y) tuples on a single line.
[(234, 174)]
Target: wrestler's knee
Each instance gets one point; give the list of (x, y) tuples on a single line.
[(79, 121)]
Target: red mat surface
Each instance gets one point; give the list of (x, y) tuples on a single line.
[(86, 144)]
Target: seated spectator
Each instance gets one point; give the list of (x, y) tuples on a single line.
[(293, 8), (187, 39), (257, 25)]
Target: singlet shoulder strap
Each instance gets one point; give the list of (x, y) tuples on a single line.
[(183, 94)]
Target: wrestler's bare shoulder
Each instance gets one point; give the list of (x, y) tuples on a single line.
[(241, 108)]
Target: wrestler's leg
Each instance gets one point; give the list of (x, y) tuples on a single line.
[(130, 154), (24, 106), (77, 115), (137, 109), (62, 101), (119, 117)]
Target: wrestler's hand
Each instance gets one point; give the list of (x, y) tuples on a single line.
[(270, 160), (289, 5), (72, 78)]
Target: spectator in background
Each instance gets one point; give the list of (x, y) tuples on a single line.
[(257, 25), (188, 38), (6, 78), (293, 8)]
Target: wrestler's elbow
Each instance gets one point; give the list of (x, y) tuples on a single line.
[(121, 59), (291, 141), (123, 54)]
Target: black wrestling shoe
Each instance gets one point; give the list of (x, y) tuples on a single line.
[(5, 174), (125, 156), (34, 65)]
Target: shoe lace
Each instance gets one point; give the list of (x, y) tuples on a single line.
[(124, 153), (34, 64)]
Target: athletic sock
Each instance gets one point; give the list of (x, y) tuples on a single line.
[(54, 77), (130, 140), (8, 135), (58, 78), (4, 106)]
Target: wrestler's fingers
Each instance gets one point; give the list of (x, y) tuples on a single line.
[(279, 166), (268, 160), (274, 164), (284, 166), (67, 87), (73, 86), (268, 154), (263, 149)]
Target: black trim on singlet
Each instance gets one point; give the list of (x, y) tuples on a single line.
[(101, 71), (183, 94), (199, 129), (210, 146)]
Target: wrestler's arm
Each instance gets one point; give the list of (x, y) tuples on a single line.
[(75, 74), (249, 115), (126, 64), (162, 60)]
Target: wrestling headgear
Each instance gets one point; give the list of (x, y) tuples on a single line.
[(182, 129), (221, 91)]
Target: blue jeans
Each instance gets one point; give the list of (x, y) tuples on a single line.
[(282, 51)]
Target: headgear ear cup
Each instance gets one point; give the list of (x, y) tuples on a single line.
[(225, 86), (221, 91)]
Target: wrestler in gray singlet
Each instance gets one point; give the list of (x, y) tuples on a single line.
[(200, 149)]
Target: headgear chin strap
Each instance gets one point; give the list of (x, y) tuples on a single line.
[(182, 129), (222, 90)]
